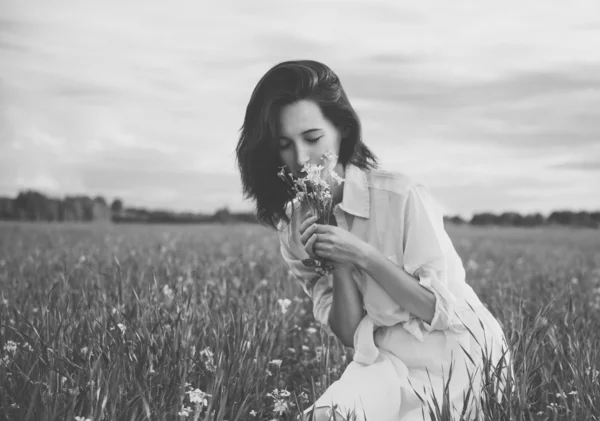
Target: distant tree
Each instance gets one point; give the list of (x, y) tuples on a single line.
[(223, 215), (31, 205), (510, 219), (101, 211), (7, 208), (117, 206), (562, 217), (533, 220), (456, 219), (485, 218)]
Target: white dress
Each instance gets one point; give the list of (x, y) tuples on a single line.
[(400, 359)]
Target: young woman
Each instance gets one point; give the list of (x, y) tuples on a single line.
[(398, 294)]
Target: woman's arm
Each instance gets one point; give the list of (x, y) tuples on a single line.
[(346, 310), (399, 284)]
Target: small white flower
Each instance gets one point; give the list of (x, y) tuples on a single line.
[(472, 265), (319, 353), (335, 176), (253, 413), (280, 407), (82, 419), (208, 359), (10, 347), (4, 361), (198, 396), (311, 330), (185, 411), (168, 292), (122, 327), (284, 304), (276, 362), (84, 350)]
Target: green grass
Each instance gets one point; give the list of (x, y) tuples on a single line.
[(117, 322)]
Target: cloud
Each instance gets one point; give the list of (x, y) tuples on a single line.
[(583, 166), (147, 102)]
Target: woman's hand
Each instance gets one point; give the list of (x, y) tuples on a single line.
[(331, 242)]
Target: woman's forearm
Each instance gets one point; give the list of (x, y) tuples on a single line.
[(346, 308), (400, 285)]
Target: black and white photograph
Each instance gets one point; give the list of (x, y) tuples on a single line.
[(299, 210)]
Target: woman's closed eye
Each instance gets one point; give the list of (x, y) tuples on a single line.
[(287, 144)]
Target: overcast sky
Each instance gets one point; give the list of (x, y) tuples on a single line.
[(495, 106)]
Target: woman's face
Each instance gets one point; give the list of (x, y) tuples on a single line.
[(305, 135)]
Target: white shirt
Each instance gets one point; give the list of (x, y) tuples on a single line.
[(401, 219)]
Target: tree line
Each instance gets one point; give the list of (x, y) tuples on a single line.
[(31, 205)]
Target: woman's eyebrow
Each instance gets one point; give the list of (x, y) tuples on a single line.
[(304, 132)]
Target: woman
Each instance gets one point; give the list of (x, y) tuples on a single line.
[(398, 294)]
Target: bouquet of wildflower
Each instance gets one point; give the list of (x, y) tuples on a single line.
[(313, 192)]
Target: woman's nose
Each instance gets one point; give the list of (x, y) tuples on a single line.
[(302, 155)]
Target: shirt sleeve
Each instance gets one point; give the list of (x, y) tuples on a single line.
[(318, 287), (424, 258)]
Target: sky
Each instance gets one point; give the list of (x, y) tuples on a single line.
[(494, 106)]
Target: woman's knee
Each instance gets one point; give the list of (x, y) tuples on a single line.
[(323, 413)]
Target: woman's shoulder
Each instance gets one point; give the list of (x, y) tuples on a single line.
[(391, 180)]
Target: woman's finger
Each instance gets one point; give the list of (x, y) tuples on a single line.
[(322, 228), (308, 247), (307, 222), (307, 233)]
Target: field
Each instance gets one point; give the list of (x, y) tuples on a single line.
[(135, 322)]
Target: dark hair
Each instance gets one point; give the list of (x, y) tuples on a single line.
[(257, 150)]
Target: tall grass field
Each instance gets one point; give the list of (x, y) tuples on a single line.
[(204, 322)]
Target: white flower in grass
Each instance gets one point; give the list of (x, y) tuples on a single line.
[(185, 411), (84, 350), (276, 362), (284, 304), (253, 413), (10, 347), (82, 419), (168, 292), (319, 353), (122, 327), (198, 396), (280, 407), (208, 359)]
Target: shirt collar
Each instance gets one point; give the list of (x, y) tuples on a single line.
[(356, 199)]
